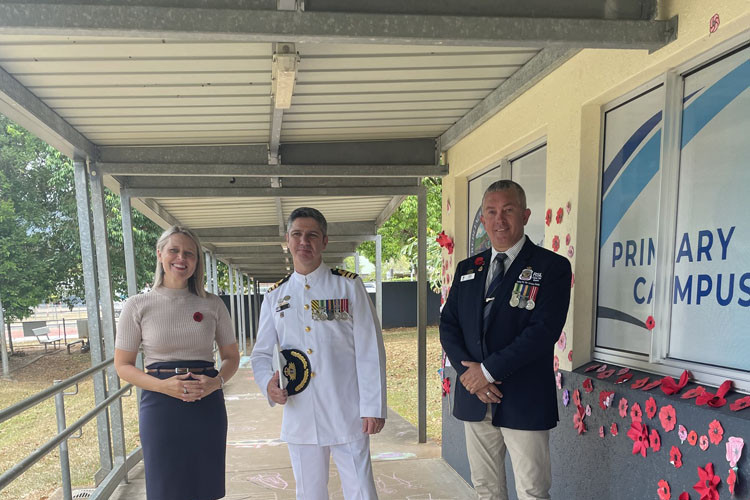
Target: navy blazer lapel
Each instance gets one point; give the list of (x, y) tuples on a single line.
[(509, 279), (480, 280)]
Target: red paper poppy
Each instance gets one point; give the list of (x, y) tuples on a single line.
[(664, 491), (591, 368), (732, 480), (605, 374), (675, 457), (639, 383), (707, 483), (601, 431), (669, 386), (684, 496), (479, 261), (650, 407), (588, 385), (197, 317), (650, 323), (605, 399), (567, 239), (559, 216), (636, 415), (613, 429), (623, 407), (578, 423), (623, 371), (577, 397), (570, 355), (555, 363), (651, 385), (445, 241), (693, 393), (639, 434), (740, 404), (446, 386), (548, 217), (555, 243), (715, 400), (655, 440), (703, 442), (624, 378), (715, 432), (692, 438), (667, 417)]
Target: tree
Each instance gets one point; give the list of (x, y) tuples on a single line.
[(40, 257), (399, 232)]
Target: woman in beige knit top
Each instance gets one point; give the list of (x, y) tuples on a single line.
[(182, 419)]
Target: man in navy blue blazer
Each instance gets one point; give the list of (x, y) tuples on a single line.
[(504, 313)]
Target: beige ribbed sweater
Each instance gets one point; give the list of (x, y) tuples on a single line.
[(174, 325)]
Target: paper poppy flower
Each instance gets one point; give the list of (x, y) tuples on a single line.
[(605, 399), (591, 368), (588, 385), (703, 442), (664, 492), (570, 355), (445, 241), (651, 385), (707, 483), (734, 450), (655, 440), (636, 414), (669, 386), (558, 380), (740, 404), (684, 496), (556, 363), (446, 386), (675, 457), (601, 431), (568, 206), (588, 410), (682, 433), (479, 261), (567, 239), (623, 371), (566, 397), (571, 251), (555, 243), (548, 216), (667, 417), (577, 397), (602, 368), (605, 374), (197, 317), (693, 393), (623, 378), (562, 342), (578, 423), (559, 216), (650, 323), (623, 407), (613, 429), (732, 481), (715, 432), (715, 400), (639, 383), (639, 434), (650, 407), (692, 438)]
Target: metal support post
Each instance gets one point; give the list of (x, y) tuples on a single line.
[(236, 278), (215, 264), (207, 270), (356, 263), (256, 311), (108, 309), (92, 309), (4, 353), (244, 306), (129, 250), (64, 458), (379, 278), (422, 316), (232, 312)]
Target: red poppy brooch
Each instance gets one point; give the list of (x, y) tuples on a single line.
[(197, 316)]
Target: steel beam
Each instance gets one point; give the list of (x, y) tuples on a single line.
[(271, 192), (422, 315), (247, 250), (3, 352), (531, 73), (250, 25), (334, 229), (337, 238), (127, 240), (236, 155)]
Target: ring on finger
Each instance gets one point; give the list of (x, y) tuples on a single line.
[(184, 390)]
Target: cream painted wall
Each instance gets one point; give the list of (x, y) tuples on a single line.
[(566, 108)]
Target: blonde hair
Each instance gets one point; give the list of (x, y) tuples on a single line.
[(196, 282)]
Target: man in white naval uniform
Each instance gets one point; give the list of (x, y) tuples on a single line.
[(345, 401)]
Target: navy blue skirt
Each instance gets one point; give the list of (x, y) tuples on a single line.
[(184, 444)]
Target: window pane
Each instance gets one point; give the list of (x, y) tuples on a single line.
[(629, 215), (478, 239), (711, 295), (530, 171)]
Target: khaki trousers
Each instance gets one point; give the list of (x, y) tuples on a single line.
[(529, 453)]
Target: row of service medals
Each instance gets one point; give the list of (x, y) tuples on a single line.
[(330, 309), (524, 296)]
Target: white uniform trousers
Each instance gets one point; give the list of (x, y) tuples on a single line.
[(529, 453), (310, 465)]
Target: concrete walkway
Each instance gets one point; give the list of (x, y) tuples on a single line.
[(258, 465)]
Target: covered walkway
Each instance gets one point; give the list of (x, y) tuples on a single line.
[(258, 462)]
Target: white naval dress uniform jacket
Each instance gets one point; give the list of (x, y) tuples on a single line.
[(347, 358)]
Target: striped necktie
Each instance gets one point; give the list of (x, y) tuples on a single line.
[(497, 269)]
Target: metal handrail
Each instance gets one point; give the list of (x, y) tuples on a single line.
[(37, 398)]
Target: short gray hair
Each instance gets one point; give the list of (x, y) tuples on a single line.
[(504, 185), (307, 212)]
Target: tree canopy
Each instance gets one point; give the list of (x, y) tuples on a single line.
[(40, 257)]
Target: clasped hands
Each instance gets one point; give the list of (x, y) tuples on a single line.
[(190, 387), (475, 382)]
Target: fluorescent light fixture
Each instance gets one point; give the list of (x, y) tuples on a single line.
[(284, 73)]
